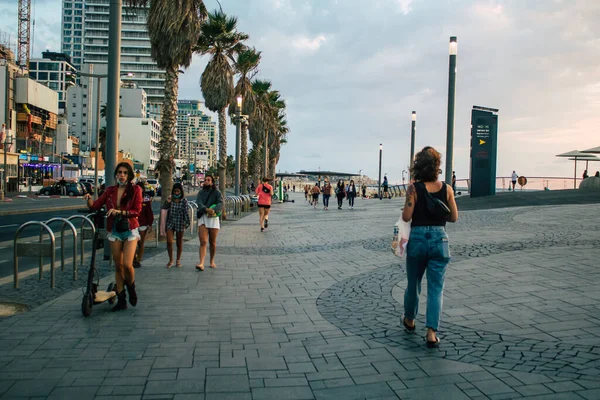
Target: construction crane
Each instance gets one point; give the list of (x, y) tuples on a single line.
[(23, 50)]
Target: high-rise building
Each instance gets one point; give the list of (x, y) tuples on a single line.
[(56, 71), (91, 28), (195, 132)]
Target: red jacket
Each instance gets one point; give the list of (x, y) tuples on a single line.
[(133, 206), (146, 217)]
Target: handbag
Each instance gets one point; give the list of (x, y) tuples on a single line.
[(435, 206), (265, 189), (400, 238), (121, 224)]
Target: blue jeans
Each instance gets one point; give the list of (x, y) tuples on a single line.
[(427, 251), (326, 200)]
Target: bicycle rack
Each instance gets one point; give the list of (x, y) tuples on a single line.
[(35, 250), (66, 223), (85, 234)]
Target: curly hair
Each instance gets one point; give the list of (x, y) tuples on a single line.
[(426, 165)]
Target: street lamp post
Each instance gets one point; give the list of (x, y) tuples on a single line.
[(451, 98), (238, 137), (379, 185), (413, 127)]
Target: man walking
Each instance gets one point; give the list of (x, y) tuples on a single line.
[(454, 181), (514, 179)]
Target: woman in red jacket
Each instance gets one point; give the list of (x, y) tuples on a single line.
[(146, 219), (124, 204)]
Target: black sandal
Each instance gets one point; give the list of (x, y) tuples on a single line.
[(433, 345), (407, 327)]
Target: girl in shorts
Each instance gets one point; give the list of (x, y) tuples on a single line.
[(178, 220), (210, 203), (264, 191)]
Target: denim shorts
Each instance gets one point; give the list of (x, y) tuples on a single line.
[(131, 235)]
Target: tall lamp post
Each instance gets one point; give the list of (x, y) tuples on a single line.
[(379, 185), (451, 98), (413, 128), (238, 138)]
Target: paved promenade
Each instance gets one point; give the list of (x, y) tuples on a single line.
[(310, 310)]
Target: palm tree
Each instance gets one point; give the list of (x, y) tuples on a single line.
[(174, 28), (279, 138), (245, 65), (261, 120), (220, 38)]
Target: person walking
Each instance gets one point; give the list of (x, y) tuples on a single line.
[(178, 220), (315, 195), (294, 188), (585, 174), (146, 219), (306, 189), (124, 204), (386, 187), (427, 250), (351, 194), (210, 204), (514, 178), (454, 181), (340, 193), (364, 191), (326, 195), (265, 196)]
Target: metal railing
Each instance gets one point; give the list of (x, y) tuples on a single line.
[(236, 206), (39, 249), (85, 234), (65, 223)]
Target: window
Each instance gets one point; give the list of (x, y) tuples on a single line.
[(32, 65), (84, 115), (33, 75), (68, 19), (85, 96), (74, 95), (54, 76), (68, 26), (43, 76), (84, 124), (66, 33), (74, 115), (77, 19), (74, 105)]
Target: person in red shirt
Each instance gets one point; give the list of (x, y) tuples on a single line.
[(124, 204), (264, 191), (146, 219)]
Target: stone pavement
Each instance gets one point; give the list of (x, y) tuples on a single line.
[(310, 310)]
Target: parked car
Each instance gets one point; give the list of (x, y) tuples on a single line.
[(72, 189), (89, 187), (154, 185)]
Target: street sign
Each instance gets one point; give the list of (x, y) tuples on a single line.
[(484, 142), (192, 168)]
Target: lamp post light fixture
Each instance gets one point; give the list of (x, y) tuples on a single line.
[(413, 128), (453, 49), (238, 139), (379, 185)]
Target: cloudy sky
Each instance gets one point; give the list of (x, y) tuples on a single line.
[(352, 72)]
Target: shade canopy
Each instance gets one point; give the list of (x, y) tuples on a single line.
[(585, 158), (573, 153), (593, 150)]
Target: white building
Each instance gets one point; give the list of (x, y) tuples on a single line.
[(91, 28), (56, 71), (81, 107), (196, 130), (140, 136)]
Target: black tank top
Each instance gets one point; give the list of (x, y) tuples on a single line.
[(421, 217)]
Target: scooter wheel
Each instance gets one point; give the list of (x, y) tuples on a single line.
[(86, 305), (112, 288)]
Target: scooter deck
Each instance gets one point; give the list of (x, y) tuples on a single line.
[(102, 296)]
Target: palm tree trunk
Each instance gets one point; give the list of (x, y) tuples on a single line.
[(166, 145), (266, 155), (244, 159), (222, 150), (273, 167)]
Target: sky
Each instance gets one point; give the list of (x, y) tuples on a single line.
[(353, 71)]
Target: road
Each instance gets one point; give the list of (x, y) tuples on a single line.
[(25, 211)]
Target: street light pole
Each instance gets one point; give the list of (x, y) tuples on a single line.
[(112, 98), (379, 185), (97, 150), (413, 127), (238, 138), (6, 144), (451, 98)]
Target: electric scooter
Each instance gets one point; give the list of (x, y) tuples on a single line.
[(92, 295)]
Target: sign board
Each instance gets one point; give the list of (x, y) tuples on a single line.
[(192, 168), (484, 143)]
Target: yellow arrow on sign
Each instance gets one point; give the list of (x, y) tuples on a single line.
[(481, 142)]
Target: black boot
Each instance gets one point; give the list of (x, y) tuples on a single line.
[(132, 294), (121, 301)]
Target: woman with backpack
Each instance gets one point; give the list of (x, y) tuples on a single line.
[(340, 193), (178, 220), (429, 205), (264, 191), (146, 219), (210, 204), (351, 194)]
